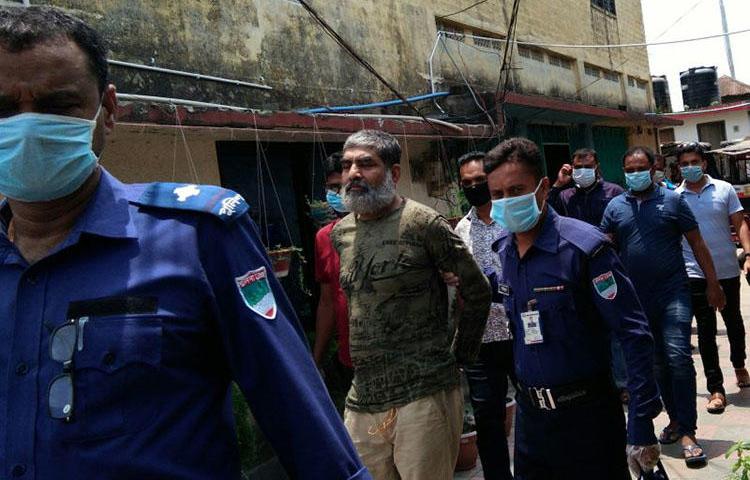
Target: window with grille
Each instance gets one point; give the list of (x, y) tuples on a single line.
[(559, 61), (611, 76), (453, 32), (488, 43), (591, 71), (531, 53), (606, 5)]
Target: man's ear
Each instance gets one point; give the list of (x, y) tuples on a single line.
[(109, 102), (396, 172)]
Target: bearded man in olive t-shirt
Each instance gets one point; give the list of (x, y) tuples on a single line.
[(404, 410)]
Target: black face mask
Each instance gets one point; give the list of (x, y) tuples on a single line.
[(478, 194)]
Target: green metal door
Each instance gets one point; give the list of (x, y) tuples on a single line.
[(610, 144)]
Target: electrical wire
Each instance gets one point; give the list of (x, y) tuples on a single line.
[(468, 85), (338, 39), (462, 10)]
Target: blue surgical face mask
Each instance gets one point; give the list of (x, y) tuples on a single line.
[(517, 214), (335, 202), (692, 173), (638, 181), (584, 177), (45, 157)]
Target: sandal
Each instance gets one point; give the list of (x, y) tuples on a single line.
[(743, 378), (717, 403), (669, 436), (692, 460)]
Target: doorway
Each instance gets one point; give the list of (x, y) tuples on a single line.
[(555, 155)]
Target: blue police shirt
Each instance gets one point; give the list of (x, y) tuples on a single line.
[(587, 204), (175, 298), (571, 266), (648, 237)]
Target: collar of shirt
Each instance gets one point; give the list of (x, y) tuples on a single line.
[(474, 218), (683, 186), (656, 192), (591, 188), (107, 215), (548, 239)]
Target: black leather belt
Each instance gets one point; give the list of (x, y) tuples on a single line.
[(570, 395)]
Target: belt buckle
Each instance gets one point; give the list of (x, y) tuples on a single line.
[(543, 398)]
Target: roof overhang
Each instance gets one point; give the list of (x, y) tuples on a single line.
[(291, 126), (709, 112), (542, 108)]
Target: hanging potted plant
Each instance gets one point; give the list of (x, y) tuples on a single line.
[(281, 259), (467, 450)]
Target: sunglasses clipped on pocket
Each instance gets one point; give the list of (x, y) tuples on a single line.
[(62, 345)]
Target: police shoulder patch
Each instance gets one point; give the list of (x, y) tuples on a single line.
[(221, 202), (606, 285), (256, 292)]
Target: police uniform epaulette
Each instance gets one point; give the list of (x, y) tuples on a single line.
[(223, 203), (584, 236)]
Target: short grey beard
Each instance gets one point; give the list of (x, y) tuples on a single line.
[(373, 200)]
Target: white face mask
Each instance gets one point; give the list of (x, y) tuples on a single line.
[(584, 177)]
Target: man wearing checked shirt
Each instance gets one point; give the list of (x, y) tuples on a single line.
[(488, 376)]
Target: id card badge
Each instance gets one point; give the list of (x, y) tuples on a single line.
[(532, 329)]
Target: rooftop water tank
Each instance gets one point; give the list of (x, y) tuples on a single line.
[(700, 87), (661, 94)]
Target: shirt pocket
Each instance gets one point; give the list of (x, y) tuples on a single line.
[(115, 377), (557, 313)]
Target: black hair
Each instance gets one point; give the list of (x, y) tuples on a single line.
[(470, 157), (333, 163), (690, 147), (520, 150), (585, 152), (22, 28), (640, 149)]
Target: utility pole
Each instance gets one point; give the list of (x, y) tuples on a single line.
[(727, 45)]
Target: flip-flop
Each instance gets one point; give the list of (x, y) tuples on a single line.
[(669, 436), (716, 409), (694, 460)]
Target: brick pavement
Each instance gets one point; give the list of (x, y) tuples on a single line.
[(716, 433)]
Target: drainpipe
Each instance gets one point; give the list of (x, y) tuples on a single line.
[(182, 73)]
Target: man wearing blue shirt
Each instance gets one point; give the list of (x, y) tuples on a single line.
[(565, 291), (648, 223), (127, 310), (715, 205)]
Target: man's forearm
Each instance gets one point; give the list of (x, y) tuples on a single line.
[(325, 323), (702, 255), (476, 296), (744, 235)]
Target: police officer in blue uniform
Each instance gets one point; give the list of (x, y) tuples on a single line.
[(126, 311), (565, 292)]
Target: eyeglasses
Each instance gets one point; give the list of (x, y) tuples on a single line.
[(61, 349)]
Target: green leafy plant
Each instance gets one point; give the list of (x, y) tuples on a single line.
[(741, 467)]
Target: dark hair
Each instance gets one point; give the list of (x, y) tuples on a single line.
[(22, 28), (382, 143), (520, 150), (640, 149), (333, 164), (470, 157), (585, 152), (689, 147)]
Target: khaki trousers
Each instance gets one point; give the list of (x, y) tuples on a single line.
[(418, 441)]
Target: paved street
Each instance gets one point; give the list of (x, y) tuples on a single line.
[(715, 432)]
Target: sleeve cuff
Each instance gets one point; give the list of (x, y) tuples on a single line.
[(641, 432)]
